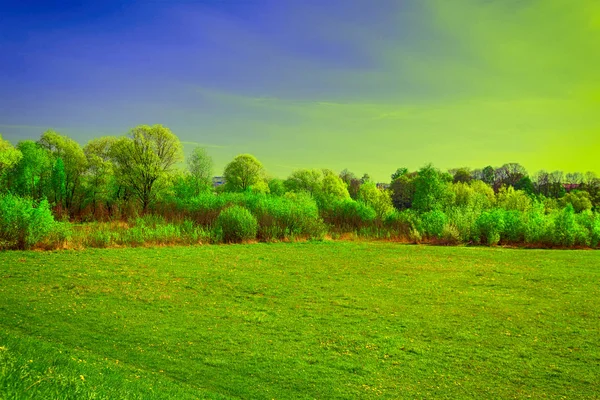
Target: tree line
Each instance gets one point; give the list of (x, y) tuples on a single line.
[(142, 173)]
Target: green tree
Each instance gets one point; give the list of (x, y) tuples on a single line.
[(146, 155), (461, 175), (99, 182), (276, 186), (579, 199), (399, 172), (200, 165), (9, 157), (31, 174), (431, 191), (488, 175), (73, 159), (379, 200), (58, 182), (332, 187), (403, 191), (243, 172), (307, 180)]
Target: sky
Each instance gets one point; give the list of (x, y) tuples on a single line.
[(368, 85)]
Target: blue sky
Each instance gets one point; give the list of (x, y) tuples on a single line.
[(359, 84)]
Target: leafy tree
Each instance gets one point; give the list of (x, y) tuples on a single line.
[(525, 184), (58, 181), (579, 199), (73, 159), (147, 154), (31, 174), (9, 157), (488, 175), (308, 180), (352, 183), (200, 165), (100, 181), (431, 191), (242, 173), (365, 178), (276, 186), (511, 199), (403, 191), (461, 175), (399, 172), (379, 200), (347, 176), (333, 188)]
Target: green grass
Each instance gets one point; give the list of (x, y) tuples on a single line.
[(300, 320)]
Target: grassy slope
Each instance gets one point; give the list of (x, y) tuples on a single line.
[(324, 320)]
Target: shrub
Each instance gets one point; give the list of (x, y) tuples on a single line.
[(514, 227), (565, 227), (538, 227), (450, 235), (591, 222), (348, 215), (236, 224), (490, 225), (432, 223), (402, 223), (23, 223), (463, 220)]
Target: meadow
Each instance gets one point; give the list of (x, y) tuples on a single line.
[(300, 320)]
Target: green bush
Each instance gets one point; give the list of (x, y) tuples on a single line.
[(463, 220), (23, 223), (432, 223), (490, 226), (565, 227), (348, 215), (538, 227), (236, 224), (591, 222), (402, 223), (514, 227)]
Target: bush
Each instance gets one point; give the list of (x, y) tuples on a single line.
[(490, 226), (348, 215), (402, 223), (591, 222), (514, 227), (450, 235), (236, 224), (565, 227), (538, 227), (23, 223), (463, 220), (432, 223)]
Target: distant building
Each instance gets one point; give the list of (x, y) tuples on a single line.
[(218, 181), (571, 186), (383, 186)]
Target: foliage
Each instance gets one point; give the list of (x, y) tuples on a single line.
[(243, 172), (200, 165), (236, 224), (9, 156), (431, 190), (490, 226), (348, 214), (579, 199), (23, 223), (433, 223), (147, 154)]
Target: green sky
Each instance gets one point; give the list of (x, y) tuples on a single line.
[(456, 83)]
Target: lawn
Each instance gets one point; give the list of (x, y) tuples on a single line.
[(303, 320)]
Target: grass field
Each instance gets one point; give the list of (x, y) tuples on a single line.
[(304, 320)]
